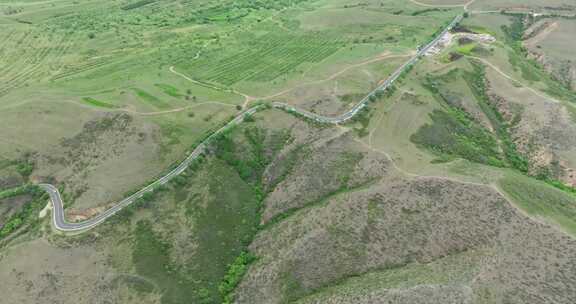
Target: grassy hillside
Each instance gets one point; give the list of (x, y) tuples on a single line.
[(455, 186)]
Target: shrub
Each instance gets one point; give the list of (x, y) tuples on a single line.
[(234, 274)]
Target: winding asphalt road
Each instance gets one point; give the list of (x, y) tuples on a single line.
[(58, 216), (59, 219)]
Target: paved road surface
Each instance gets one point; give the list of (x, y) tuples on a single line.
[(383, 87), (59, 219)]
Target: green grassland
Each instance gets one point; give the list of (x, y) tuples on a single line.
[(542, 200)]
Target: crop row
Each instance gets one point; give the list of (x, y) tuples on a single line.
[(30, 58), (268, 58), (20, 68), (69, 71), (14, 50)]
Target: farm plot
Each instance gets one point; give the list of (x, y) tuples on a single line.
[(266, 58), (30, 54)]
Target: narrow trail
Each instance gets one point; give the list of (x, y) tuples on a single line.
[(492, 186), (496, 69), (182, 109), (383, 115), (543, 34), (247, 98), (414, 175), (468, 4), (337, 74), (463, 5)]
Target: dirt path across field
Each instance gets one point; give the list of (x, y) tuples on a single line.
[(542, 34), (493, 186), (464, 5), (248, 99), (495, 68), (339, 73)]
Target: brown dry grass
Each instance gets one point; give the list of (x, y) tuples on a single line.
[(546, 132), (411, 221)]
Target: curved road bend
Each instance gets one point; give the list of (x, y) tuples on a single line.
[(58, 216)]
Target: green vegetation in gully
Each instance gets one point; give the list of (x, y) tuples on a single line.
[(454, 133), (234, 274), (533, 71), (151, 259), (476, 80), (226, 218), (6, 193), (27, 217), (223, 227), (530, 69)]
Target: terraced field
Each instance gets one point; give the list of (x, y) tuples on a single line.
[(267, 58), (31, 55)]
